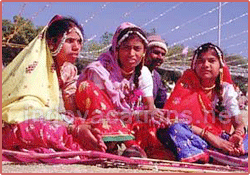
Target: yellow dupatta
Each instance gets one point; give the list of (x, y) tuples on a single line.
[(30, 87)]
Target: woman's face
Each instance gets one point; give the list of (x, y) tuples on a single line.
[(70, 49), (130, 53), (207, 66)]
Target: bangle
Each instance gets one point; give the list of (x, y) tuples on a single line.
[(240, 132), (203, 132)]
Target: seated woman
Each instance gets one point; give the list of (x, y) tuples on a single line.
[(30, 88), (117, 87), (204, 110)]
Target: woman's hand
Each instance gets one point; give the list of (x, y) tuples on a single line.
[(237, 140), (89, 137), (225, 146), (157, 117)]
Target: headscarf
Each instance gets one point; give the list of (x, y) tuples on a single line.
[(109, 71), (189, 102), (30, 87), (224, 71)]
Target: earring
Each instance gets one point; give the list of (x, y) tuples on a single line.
[(143, 59), (221, 75), (143, 56)]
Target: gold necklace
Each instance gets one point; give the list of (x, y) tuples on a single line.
[(208, 88)]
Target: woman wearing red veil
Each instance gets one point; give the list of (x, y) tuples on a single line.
[(204, 111)]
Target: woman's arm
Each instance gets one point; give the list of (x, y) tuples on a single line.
[(68, 77), (145, 115), (232, 108), (238, 124), (146, 86), (239, 131), (154, 114), (216, 141)]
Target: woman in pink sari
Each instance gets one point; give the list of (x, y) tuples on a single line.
[(116, 90), (31, 84), (204, 112)]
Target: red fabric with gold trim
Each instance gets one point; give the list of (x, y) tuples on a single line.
[(145, 137), (189, 102), (39, 135), (95, 105)]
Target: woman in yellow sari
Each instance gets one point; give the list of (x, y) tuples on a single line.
[(31, 84)]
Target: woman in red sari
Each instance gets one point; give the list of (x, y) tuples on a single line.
[(203, 109)]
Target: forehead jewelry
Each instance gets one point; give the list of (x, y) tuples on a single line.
[(78, 31), (54, 53), (130, 32), (220, 55), (58, 49), (217, 51), (195, 58)]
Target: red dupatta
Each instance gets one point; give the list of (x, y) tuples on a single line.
[(188, 102)]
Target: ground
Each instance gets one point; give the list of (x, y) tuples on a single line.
[(76, 168), (41, 168)]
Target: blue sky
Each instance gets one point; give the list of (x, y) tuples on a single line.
[(187, 23)]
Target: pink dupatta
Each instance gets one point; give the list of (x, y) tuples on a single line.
[(109, 71)]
